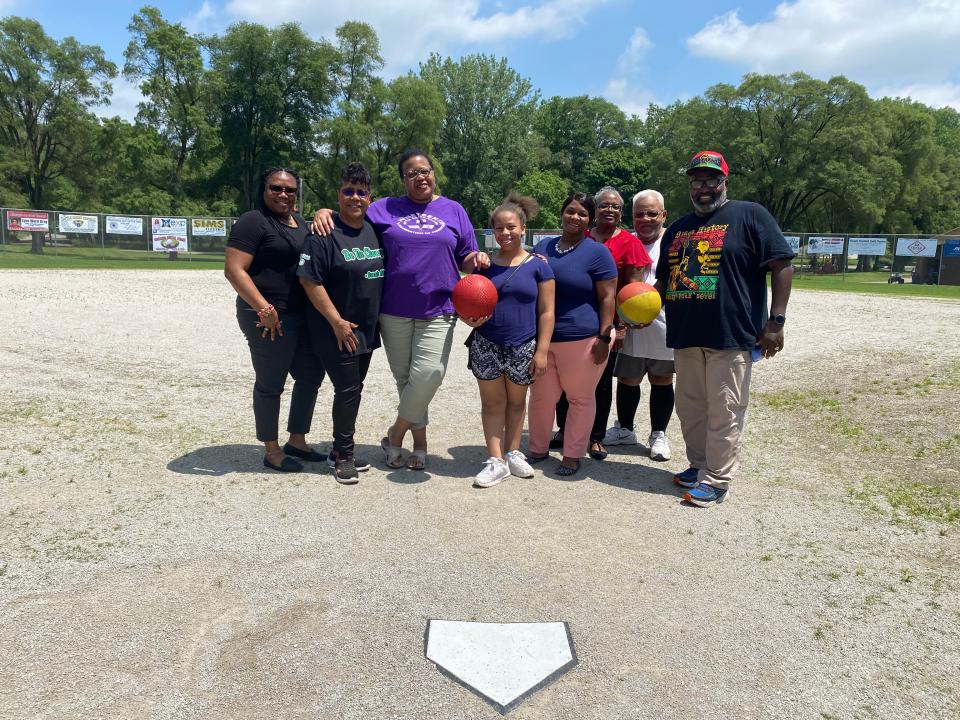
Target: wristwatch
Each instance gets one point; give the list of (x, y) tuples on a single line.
[(604, 338), (779, 319)]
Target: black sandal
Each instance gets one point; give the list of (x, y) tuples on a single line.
[(556, 442), (534, 459)]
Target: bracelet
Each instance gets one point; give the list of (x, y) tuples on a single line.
[(265, 312)]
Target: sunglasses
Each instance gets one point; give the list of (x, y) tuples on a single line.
[(350, 192), (282, 189), (648, 214), (712, 183), (417, 172)]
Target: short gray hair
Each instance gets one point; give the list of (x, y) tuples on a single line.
[(608, 190), (644, 194)]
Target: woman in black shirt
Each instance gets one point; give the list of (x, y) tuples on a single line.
[(261, 264)]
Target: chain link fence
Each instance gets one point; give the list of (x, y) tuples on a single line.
[(159, 238)]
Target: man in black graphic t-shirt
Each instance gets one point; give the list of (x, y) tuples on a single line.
[(712, 277), (342, 274)]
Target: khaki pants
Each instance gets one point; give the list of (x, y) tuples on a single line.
[(713, 389), (418, 352)]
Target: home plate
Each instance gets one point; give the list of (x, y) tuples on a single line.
[(504, 663)]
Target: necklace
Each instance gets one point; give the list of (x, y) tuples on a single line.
[(572, 247)]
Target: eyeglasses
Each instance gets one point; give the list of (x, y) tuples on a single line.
[(350, 192), (648, 214), (712, 183), (282, 189), (609, 206), (417, 172)]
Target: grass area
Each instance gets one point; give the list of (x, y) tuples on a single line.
[(874, 283), (18, 256)]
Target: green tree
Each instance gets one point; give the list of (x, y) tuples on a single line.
[(268, 88), (485, 141), (550, 190), (574, 129), (410, 114), (46, 90), (624, 168), (347, 134), (167, 61)]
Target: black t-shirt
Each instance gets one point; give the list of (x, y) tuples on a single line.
[(714, 271), (276, 250), (349, 265)]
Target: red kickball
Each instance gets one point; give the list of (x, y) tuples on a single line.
[(474, 296)]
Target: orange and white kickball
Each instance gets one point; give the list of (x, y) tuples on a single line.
[(638, 303)]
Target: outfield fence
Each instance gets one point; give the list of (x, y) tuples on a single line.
[(911, 258)]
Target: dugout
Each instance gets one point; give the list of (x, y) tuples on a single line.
[(948, 251)]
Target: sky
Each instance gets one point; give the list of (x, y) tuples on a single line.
[(628, 51)]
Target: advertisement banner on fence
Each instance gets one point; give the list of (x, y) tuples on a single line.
[(124, 225), (793, 241), (30, 220), (867, 246), (951, 249), (89, 224), (169, 234), (209, 226), (819, 245), (916, 247)]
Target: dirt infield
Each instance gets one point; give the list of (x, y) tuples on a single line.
[(149, 569)]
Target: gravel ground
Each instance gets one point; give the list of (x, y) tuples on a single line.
[(150, 569)]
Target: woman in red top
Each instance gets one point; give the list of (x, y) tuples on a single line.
[(632, 260)]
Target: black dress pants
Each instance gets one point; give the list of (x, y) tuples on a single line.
[(289, 354)]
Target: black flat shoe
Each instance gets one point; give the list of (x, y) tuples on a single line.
[(556, 442), (564, 471), (310, 455), (534, 459), (600, 454), (288, 465)]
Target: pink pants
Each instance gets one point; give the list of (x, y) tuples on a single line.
[(570, 370)]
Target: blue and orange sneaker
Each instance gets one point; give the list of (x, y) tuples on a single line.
[(687, 478), (704, 495)]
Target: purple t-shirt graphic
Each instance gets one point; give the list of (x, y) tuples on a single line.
[(424, 246)]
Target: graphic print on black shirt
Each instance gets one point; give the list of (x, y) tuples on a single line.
[(349, 265), (694, 257)]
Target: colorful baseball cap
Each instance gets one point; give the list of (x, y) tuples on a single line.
[(708, 160)]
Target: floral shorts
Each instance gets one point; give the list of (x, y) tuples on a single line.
[(489, 361)]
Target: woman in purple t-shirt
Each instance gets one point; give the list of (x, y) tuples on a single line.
[(427, 241), (508, 350)]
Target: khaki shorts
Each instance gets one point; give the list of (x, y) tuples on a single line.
[(634, 367)]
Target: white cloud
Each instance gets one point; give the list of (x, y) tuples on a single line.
[(870, 41), (622, 89), (409, 33), (6, 6), (935, 95), (124, 100), (206, 19)]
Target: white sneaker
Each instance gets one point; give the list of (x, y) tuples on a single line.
[(659, 447), (519, 467), (494, 471), (619, 436)]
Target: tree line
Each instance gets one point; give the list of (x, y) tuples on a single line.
[(217, 109)]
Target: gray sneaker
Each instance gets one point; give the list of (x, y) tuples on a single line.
[(519, 467), (346, 471), (619, 436)]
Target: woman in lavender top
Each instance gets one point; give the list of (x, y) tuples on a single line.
[(428, 241)]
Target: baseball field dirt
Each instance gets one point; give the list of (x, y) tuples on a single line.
[(151, 568)]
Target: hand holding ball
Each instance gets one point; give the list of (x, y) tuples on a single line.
[(638, 303), (474, 296)]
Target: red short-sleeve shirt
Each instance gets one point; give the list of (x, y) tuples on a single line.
[(627, 251)]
